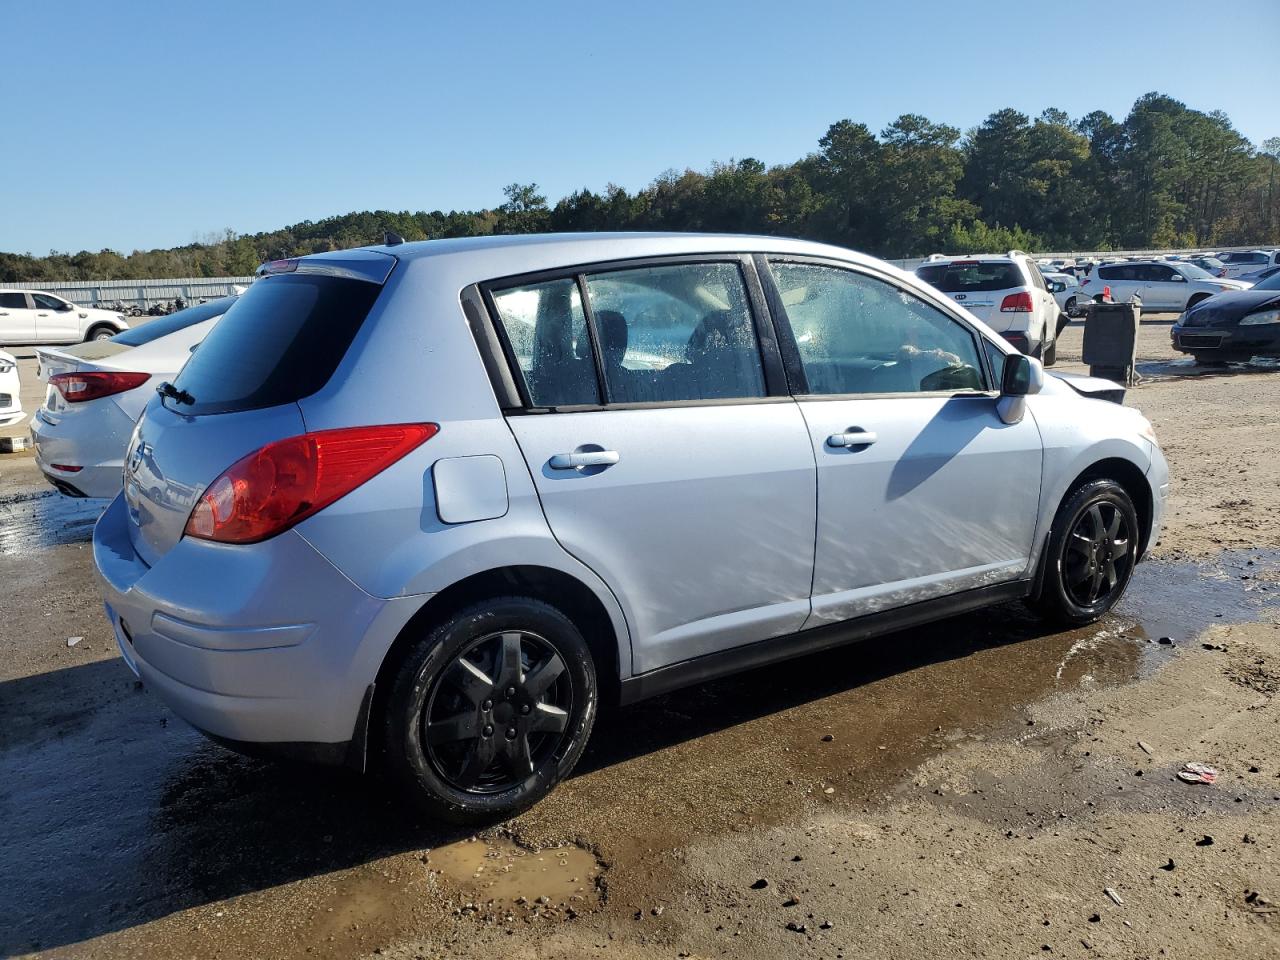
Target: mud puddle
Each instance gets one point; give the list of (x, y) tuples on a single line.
[(1185, 367), (30, 522), (499, 870)]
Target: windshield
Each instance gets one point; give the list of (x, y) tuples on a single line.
[(1271, 283), (1192, 272), (971, 276), (180, 320)]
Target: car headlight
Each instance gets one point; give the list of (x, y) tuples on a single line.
[(1261, 317), (1147, 430)]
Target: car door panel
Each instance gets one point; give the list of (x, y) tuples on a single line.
[(54, 322), (17, 318), (923, 490), (688, 488), (703, 527), (944, 500)]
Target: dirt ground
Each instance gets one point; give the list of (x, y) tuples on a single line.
[(981, 787)]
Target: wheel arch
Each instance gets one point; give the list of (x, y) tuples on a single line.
[(1132, 478), (98, 325), (562, 590)]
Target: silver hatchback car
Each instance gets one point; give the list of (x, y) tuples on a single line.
[(429, 503)]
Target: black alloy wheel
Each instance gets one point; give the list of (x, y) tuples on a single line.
[(489, 708), (499, 710), (1098, 555), (1093, 546)]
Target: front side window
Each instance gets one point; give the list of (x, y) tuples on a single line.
[(46, 302), (676, 332), (859, 335)]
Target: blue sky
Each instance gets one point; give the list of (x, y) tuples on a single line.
[(136, 125)]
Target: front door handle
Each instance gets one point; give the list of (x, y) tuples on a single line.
[(591, 458), (852, 437)]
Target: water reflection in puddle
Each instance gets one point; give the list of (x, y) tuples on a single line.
[(31, 521)]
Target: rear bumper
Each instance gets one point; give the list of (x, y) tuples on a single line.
[(264, 645), (92, 439)]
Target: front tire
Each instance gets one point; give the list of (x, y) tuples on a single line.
[(101, 333), (490, 709), (1092, 549)]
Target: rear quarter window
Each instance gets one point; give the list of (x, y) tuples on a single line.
[(971, 277), (280, 342)]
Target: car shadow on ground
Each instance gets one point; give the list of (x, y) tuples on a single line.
[(1187, 367), (113, 813)]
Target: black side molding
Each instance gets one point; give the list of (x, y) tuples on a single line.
[(714, 665)]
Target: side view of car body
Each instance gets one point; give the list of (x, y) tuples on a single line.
[(1234, 326), (10, 390), (426, 504), (1160, 285), (30, 316), (97, 390), (1006, 292), (1250, 261), (1067, 292)]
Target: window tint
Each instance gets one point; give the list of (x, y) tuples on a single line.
[(856, 334), (547, 331), (46, 302), (1037, 278), (281, 341), (163, 326), (13, 301), (679, 332), (971, 276)]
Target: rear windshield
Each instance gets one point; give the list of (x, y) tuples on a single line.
[(281, 341), (162, 327), (971, 277)]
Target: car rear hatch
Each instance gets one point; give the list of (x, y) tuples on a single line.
[(281, 341), (980, 286)]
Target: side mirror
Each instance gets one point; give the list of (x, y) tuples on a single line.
[(66, 306), (1023, 376), (1179, 278), (1055, 286)]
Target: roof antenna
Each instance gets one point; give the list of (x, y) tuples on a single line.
[(390, 238)]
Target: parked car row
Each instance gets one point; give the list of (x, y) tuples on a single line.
[(595, 471)]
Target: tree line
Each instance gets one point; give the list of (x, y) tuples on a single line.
[(1164, 176)]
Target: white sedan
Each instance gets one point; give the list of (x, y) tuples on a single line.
[(10, 390), (97, 391)]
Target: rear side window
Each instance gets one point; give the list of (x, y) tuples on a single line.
[(280, 342), (163, 326), (971, 276), (13, 301), (547, 330)]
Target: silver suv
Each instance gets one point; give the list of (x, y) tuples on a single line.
[(430, 503)]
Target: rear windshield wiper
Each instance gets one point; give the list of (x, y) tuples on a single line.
[(169, 392)]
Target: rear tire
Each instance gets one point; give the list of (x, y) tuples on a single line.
[(1092, 549), (490, 709)]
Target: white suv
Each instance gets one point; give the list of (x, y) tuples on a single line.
[(1161, 285), (29, 316), (1006, 292), (1249, 261)]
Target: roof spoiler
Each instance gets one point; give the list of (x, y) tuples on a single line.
[(370, 266)]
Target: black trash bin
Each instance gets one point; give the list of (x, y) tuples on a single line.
[(1111, 340)]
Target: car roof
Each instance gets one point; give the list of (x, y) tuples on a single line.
[(526, 253)]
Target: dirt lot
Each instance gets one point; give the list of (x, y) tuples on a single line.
[(971, 788)]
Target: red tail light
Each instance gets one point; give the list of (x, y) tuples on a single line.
[(79, 387), (283, 483), (1017, 303)]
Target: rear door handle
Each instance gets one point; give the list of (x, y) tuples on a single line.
[(592, 458), (852, 438)]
